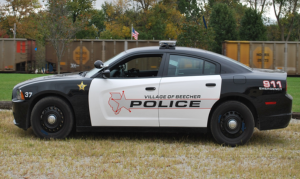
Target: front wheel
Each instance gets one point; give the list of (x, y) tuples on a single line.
[(232, 123), (51, 117)]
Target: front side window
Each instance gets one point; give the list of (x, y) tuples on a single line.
[(189, 66), (138, 66)]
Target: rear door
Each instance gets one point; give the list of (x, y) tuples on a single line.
[(191, 87)]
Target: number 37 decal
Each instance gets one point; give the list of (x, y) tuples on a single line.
[(28, 94), (267, 84)]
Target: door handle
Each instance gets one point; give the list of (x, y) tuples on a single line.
[(210, 84), (150, 88)]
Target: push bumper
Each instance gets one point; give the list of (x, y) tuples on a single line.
[(20, 112)]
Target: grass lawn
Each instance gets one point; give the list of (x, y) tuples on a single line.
[(9, 80), (269, 154), (294, 90)]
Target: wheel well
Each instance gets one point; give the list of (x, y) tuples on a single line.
[(234, 98), (44, 96)]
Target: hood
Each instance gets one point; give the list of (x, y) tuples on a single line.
[(67, 76)]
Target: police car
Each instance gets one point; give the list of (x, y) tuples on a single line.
[(159, 89)]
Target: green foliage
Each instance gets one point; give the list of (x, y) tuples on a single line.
[(252, 27), (196, 36), (295, 33), (223, 23), (78, 8), (98, 20), (273, 32), (190, 9)]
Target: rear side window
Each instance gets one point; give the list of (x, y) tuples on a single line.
[(209, 68), (189, 66)]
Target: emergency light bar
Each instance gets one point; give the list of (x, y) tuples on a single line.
[(167, 44)]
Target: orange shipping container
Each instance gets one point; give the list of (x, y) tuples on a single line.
[(265, 54)]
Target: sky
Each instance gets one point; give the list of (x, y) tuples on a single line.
[(270, 14)]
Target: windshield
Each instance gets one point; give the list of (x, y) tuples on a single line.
[(107, 63)]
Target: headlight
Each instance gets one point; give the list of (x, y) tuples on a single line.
[(20, 95)]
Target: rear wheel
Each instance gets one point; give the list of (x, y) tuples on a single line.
[(52, 117), (232, 123)]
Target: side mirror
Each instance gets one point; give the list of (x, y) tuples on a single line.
[(106, 73), (98, 64)]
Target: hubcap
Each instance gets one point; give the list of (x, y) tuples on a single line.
[(232, 123), (51, 119)]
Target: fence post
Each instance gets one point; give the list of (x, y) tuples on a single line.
[(250, 55), (285, 57), (103, 51), (274, 56), (92, 51), (81, 64), (239, 51), (125, 45), (114, 47), (263, 56)]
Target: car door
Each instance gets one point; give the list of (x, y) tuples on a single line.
[(120, 99), (192, 86)]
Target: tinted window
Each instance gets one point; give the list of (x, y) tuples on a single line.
[(209, 68), (139, 66), (189, 66)]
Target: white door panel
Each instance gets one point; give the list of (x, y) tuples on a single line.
[(188, 89), (110, 100)]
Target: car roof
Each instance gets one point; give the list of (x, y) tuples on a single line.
[(228, 65)]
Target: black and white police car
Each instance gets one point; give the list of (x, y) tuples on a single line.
[(163, 88)]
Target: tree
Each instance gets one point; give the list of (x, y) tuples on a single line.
[(223, 23), (60, 28), (273, 33), (160, 20), (97, 20), (193, 32), (295, 34), (252, 27), (3, 33), (197, 36), (259, 6), (19, 13), (79, 7), (285, 11)]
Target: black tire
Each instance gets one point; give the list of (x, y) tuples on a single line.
[(52, 117), (242, 123)]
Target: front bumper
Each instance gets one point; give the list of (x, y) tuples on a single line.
[(21, 115)]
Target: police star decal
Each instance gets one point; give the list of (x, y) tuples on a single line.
[(81, 86)]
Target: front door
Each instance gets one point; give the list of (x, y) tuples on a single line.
[(191, 86), (123, 99)]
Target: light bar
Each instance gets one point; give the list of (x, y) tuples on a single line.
[(167, 44)]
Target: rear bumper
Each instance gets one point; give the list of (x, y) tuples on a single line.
[(274, 122), (280, 120), (20, 112)]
